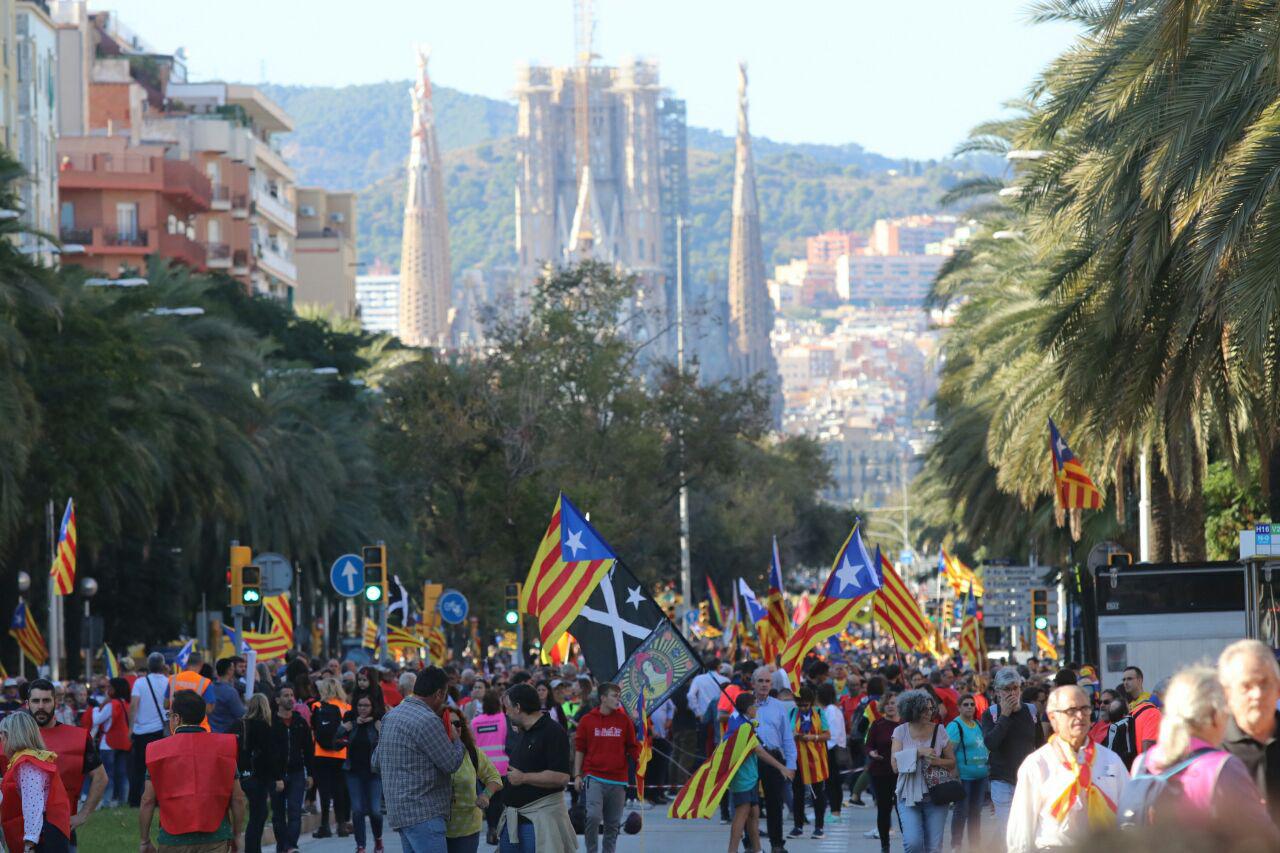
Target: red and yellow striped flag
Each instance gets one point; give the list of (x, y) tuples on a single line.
[(776, 629), (571, 561), (701, 795), (403, 638), (269, 645), (898, 612), (24, 629), (1045, 644), (369, 638), (281, 616), (435, 646), (63, 570), (1073, 487)]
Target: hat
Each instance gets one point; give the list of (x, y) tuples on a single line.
[(633, 823)]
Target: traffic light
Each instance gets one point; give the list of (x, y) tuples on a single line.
[(1040, 608), (375, 573), (241, 556), (512, 603), (431, 593), (250, 585), (1120, 559)]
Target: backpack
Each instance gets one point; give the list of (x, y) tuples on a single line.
[(326, 724), (1122, 737), (861, 723), (1146, 792)]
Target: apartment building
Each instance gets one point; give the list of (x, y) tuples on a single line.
[(378, 301), (8, 72), (36, 127), (909, 235), (326, 249), (825, 248)]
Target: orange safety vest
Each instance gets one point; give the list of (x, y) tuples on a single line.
[(68, 743), (57, 811), (321, 752), (188, 680), (193, 774)]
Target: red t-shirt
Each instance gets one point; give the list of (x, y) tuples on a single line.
[(606, 741), (391, 694)]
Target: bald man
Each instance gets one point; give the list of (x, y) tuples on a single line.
[(1055, 802)]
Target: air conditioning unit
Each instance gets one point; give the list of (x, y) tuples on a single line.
[(337, 217), (307, 210)]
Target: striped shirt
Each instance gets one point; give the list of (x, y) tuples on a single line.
[(416, 760)]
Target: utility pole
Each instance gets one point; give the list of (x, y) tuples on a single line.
[(686, 570), (55, 626)]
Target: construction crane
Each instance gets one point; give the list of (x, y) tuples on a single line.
[(584, 31)]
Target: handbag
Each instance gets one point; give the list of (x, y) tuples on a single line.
[(943, 788)]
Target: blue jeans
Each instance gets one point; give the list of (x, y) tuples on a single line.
[(527, 841), (425, 837), (286, 810), (922, 825), (366, 801), (968, 813), (464, 843), (116, 763), (1002, 799)]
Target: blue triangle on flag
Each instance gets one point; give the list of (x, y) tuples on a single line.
[(853, 575), (578, 539)]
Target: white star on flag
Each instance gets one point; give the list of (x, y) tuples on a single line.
[(634, 598), (574, 542), (848, 573)]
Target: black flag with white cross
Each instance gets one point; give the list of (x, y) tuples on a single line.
[(617, 618)]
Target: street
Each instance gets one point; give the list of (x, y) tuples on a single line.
[(661, 833)]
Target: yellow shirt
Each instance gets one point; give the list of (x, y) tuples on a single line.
[(465, 817)]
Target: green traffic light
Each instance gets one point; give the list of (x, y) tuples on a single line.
[(373, 593), (251, 596), (512, 617), (1041, 623)]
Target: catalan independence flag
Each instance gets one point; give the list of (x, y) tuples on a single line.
[(569, 565), (970, 635), (24, 629), (281, 615), (853, 575), (701, 795), (958, 575), (716, 607), (644, 734), (370, 638), (267, 646), (1045, 644), (776, 630), (898, 612), (63, 570), (1073, 487)]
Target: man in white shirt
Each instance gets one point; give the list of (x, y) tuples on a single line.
[(1052, 807), (147, 703)]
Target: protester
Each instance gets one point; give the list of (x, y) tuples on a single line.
[(330, 754), (191, 780), (490, 728), (1214, 790), (1067, 788), (809, 729), (360, 729), (918, 743), (1132, 682), (940, 683), (293, 748), (76, 754), (774, 730), (971, 755), (228, 706), (604, 743), (867, 711), (534, 817), (1251, 682), (34, 810), (367, 685), (416, 758), (744, 788), (111, 721), (257, 767), (148, 700), (884, 779), (474, 784), (191, 678), (1011, 732), (837, 749)]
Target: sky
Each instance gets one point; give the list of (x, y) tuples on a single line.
[(904, 80)]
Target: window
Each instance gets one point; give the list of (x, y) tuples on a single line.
[(213, 172), (215, 231), (67, 217), (127, 219)]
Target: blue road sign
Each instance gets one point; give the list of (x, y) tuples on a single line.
[(452, 606), (347, 575)]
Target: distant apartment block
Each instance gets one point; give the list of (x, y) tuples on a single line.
[(909, 235), (326, 250), (34, 140), (886, 279), (378, 303), (824, 249)]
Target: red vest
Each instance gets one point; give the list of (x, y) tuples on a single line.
[(118, 737), (193, 774), (57, 811), (68, 742)]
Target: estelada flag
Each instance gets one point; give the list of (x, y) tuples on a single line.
[(701, 795), (1073, 488), (776, 630), (898, 612), (281, 615), (571, 560), (853, 575), (24, 629), (63, 570)]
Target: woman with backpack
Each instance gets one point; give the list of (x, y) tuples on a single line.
[(971, 755), (1187, 778), (331, 754)]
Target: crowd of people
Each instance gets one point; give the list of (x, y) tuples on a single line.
[(528, 758)]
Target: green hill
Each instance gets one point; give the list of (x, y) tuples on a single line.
[(357, 137)]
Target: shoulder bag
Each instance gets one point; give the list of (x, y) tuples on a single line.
[(944, 789)]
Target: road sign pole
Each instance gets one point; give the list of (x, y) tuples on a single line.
[(383, 616), (237, 613)]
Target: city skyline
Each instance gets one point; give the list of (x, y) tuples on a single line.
[(900, 103)]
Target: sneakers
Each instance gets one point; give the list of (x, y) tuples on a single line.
[(377, 845), (835, 818), (857, 801), (323, 832), (796, 833), (818, 833), (344, 830)]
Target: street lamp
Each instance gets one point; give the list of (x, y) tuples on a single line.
[(24, 581), (88, 589), (116, 282)]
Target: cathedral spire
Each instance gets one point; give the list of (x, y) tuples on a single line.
[(425, 277), (750, 311)]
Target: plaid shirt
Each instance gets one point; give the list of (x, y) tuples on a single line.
[(416, 760)]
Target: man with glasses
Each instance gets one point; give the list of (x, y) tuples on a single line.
[(1011, 732), (1067, 788)]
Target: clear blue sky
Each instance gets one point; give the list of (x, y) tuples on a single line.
[(900, 79)]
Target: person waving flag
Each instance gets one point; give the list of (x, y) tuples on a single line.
[(853, 575)]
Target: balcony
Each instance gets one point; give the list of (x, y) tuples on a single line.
[(180, 248), (276, 264), (218, 256), (138, 172), (76, 236), (100, 241), (240, 262), (220, 197), (240, 206), (265, 155), (135, 238), (275, 209)]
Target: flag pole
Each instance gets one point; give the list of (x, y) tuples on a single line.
[(55, 639)]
